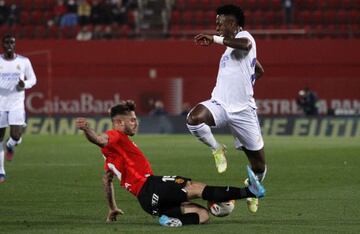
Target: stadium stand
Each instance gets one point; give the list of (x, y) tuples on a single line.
[(180, 19)]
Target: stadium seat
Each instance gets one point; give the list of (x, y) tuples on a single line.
[(175, 17), (27, 5), (342, 17), (24, 17), (53, 32), (199, 17), (40, 32), (27, 32), (180, 4), (37, 17)]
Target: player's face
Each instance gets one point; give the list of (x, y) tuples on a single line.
[(225, 26), (9, 45), (130, 124)]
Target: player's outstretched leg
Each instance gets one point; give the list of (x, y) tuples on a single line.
[(254, 184), (253, 202), (199, 121)]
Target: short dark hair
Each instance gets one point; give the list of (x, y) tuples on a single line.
[(233, 10), (123, 108), (7, 35)]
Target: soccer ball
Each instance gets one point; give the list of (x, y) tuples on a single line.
[(221, 209)]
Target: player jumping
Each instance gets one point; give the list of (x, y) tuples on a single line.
[(232, 103)]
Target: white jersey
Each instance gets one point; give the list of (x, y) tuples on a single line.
[(11, 71), (236, 76)]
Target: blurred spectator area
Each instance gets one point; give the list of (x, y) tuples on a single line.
[(48, 19), (266, 18), (179, 19)]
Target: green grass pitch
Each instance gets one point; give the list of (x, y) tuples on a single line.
[(54, 186)]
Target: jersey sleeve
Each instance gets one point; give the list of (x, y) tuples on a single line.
[(114, 137), (30, 78), (243, 34)]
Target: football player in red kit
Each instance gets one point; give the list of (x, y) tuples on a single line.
[(165, 196)]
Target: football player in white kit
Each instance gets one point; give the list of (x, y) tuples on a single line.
[(16, 75), (232, 103)]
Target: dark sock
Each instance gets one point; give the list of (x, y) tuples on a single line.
[(222, 194), (189, 218)]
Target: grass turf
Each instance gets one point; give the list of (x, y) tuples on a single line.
[(54, 186)]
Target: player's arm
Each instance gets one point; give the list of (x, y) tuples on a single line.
[(242, 43), (29, 80), (259, 70), (114, 211), (99, 140)]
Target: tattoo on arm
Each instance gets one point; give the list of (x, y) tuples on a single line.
[(100, 140)]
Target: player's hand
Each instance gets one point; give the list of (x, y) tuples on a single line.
[(113, 214), (203, 40), (81, 123), (20, 86)]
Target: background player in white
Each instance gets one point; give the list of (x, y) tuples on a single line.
[(232, 101), (16, 75)]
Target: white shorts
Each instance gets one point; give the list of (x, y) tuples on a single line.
[(13, 117), (244, 125)]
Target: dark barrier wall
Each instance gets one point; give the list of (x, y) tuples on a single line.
[(88, 77), (276, 126)]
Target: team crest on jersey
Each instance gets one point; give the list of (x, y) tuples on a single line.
[(18, 67), (179, 180)]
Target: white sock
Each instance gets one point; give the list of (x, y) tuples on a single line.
[(204, 134), (2, 169), (12, 143)]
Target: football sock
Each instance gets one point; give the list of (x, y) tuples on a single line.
[(223, 194), (189, 218), (204, 134), (2, 169), (261, 175), (12, 143)]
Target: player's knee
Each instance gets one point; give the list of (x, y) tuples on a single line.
[(194, 119)]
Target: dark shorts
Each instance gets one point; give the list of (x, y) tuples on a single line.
[(163, 195)]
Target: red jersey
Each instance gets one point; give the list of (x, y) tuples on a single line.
[(126, 161)]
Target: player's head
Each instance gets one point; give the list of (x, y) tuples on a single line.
[(8, 43), (124, 118), (229, 20)]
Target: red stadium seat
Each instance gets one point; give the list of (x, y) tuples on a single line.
[(24, 17), (210, 17), (329, 17), (187, 17), (199, 17), (37, 17), (53, 32), (27, 5), (317, 17), (354, 16), (175, 17), (40, 32), (27, 32), (342, 17), (180, 4)]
